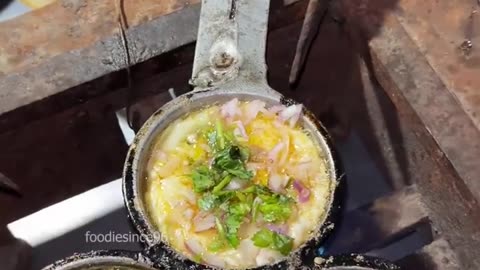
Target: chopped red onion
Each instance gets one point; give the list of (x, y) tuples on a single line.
[(276, 109), (230, 109), (210, 162), (252, 109), (277, 183), (188, 214), (303, 192), (281, 228), (291, 113), (273, 154), (241, 129), (214, 260), (235, 184), (193, 246), (203, 221), (284, 157)]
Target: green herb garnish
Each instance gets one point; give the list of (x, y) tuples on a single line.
[(232, 207), (203, 179), (208, 202), (236, 214), (272, 240), (216, 245), (275, 207), (230, 160), (226, 180)]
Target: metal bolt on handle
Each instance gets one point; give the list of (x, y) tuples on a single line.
[(231, 42)]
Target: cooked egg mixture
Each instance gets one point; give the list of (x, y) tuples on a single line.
[(237, 185)]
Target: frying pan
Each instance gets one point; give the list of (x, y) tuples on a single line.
[(102, 260), (229, 63)]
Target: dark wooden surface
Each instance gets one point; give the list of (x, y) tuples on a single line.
[(436, 256), (390, 70), (451, 191), (407, 46), (379, 223)]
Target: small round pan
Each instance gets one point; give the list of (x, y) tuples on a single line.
[(354, 262), (137, 157), (104, 260), (229, 63)]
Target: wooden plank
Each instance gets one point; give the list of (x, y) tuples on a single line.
[(440, 124), (436, 256), (407, 148), (439, 29), (64, 26), (64, 71), (377, 224), (431, 100), (78, 71)]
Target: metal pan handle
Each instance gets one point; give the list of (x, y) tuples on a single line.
[(231, 43)]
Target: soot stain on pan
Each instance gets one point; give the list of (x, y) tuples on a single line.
[(353, 262), (103, 259), (287, 101), (191, 94)]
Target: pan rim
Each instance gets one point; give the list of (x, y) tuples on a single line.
[(123, 258)]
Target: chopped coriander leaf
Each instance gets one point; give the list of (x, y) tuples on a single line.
[(255, 205), (229, 160), (212, 140), (275, 213), (230, 193), (235, 217), (203, 179), (263, 238), (208, 202), (225, 206), (244, 153), (235, 152), (263, 190), (249, 199), (233, 223), (250, 189), (240, 209), (197, 258), (222, 184), (220, 228), (220, 136), (268, 239), (216, 245), (211, 201), (275, 208), (283, 243), (241, 196)]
